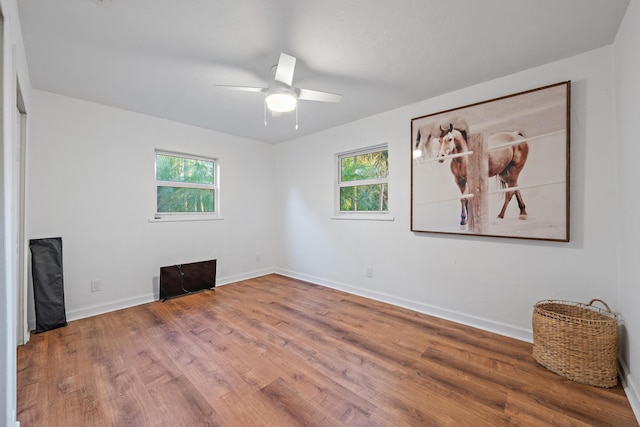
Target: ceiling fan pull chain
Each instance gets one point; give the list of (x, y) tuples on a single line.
[(264, 112), (296, 116)]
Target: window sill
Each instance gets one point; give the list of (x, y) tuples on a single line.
[(186, 219), (363, 217)]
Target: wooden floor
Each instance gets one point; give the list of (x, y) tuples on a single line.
[(280, 352)]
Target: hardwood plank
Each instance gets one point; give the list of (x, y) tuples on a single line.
[(33, 374), (253, 410), (122, 390), (344, 406), (279, 351), (524, 409), (180, 404), (71, 394), (287, 399)]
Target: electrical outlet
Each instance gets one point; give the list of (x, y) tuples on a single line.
[(369, 272), (96, 285)]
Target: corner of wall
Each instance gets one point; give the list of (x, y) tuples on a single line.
[(630, 388)]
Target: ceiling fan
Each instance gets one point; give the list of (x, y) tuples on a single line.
[(281, 96)]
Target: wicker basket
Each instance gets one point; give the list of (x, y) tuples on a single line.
[(577, 341)]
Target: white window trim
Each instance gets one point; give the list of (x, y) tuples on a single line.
[(184, 219), (358, 215), (187, 216)]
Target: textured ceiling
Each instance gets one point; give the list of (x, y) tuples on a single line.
[(163, 57)]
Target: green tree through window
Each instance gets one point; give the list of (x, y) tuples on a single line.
[(363, 180), (185, 184)]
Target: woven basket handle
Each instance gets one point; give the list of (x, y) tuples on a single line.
[(603, 303)]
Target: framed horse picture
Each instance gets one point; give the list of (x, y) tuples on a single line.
[(495, 168)]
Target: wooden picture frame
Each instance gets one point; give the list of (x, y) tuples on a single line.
[(495, 168)]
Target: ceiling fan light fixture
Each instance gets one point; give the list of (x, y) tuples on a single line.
[(281, 99)]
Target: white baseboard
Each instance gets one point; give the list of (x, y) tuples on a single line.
[(245, 276), (110, 306), (94, 310), (465, 319), (630, 388)]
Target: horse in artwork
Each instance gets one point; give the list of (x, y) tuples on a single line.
[(429, 134), (505, 163)]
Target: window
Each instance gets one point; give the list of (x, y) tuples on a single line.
[(363, 180), (186, 185)]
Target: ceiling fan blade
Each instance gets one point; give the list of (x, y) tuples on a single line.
[(242, 88), (314, 95), (284, 71)]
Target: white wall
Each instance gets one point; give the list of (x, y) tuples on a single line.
[(627, 70), (14, 69), (92, 183), (488, 282)]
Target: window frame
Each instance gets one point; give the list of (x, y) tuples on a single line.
[(215, 187), (340, 214)]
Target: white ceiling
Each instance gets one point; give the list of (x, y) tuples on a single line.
[(163, 57)]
